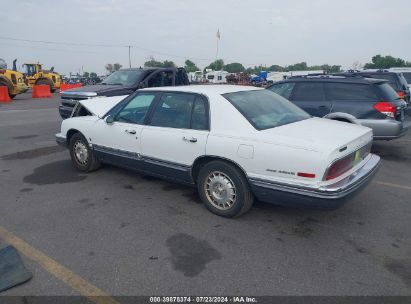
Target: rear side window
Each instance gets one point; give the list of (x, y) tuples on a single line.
[(387, 92), (308, 91), (199, 117), (181, 111), (284, 89), (407, 76), (161, 79), (392, 79), (349, 91)]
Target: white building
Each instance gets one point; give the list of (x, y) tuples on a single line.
[(216, 76)]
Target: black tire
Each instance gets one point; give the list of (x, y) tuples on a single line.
[(229, 181), (46, 82), (89, 162)]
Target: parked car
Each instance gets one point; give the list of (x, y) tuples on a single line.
[(395, 79), (123, 82), (358, 100), (406, 72), (233, 143)]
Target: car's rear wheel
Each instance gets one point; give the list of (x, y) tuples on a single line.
[(224, 189), (82, 155)]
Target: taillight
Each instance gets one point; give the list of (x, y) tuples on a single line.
[(340, 167), (386, 108), (401, 94), (346, 163)]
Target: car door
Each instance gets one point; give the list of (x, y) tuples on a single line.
[(176, 134), (354, 99), (116, 139), (310, 97)]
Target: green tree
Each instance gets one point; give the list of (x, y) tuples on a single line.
[(86, 74), (386, 62), (113, 67), (168, 64), (93, 75), (217, 65), (234, 67), (190, 66), (302, 66), (153, 63), (276, 68), (117, 66)]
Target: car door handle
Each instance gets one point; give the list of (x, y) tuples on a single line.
[(130, 131), (322, 107), (191, 139)]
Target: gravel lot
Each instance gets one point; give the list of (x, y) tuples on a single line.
[(130, 234)]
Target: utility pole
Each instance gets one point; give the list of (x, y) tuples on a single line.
[(129, 55)]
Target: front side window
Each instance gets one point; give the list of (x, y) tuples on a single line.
[(284, 89), (161, 79), (308, 91), (350, 91), (264, 109), (136, 109)]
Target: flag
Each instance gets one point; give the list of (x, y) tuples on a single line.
[(218, 34)]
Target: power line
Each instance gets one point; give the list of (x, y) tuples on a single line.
[(129, 46)]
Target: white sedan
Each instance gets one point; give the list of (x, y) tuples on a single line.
[(233, 143)]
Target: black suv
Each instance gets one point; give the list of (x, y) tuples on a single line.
[(395, 79), (355, 99), (123, 82)]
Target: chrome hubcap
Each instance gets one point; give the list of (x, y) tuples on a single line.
[(220, 190), (81, 152)]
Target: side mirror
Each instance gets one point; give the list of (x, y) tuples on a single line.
[(109, 120)]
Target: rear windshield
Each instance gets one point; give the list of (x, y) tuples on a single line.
[(265, 109), (392, 79), (387, 92), (123, 77), (407, 76)]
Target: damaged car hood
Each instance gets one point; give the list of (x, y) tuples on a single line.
[(99, 106)]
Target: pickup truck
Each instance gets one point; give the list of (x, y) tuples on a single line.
[(123, 82)]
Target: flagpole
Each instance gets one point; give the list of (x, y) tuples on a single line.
[(216, 53)]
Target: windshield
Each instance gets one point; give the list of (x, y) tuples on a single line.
[(264, 109), (123, 77)]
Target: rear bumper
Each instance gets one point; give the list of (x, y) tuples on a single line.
[(387, 129), (329, 197)]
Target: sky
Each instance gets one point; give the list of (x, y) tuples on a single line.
[(262, 32)]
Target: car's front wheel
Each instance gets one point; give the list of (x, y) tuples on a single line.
[(224, 189), (82, 155)]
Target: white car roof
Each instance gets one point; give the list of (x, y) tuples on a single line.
[(205, 89)]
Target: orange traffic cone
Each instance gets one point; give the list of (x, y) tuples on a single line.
[(4, 94), (41, 91)]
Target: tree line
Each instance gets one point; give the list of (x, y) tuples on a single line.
[(377, 62)]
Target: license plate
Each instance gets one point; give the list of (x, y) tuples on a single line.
[(357, 155)]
